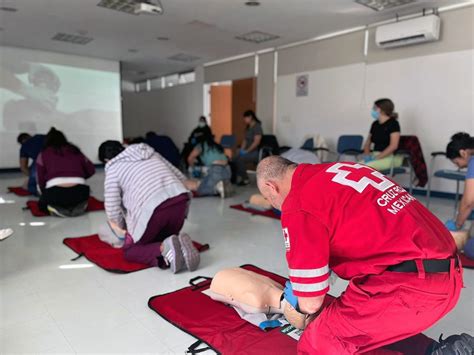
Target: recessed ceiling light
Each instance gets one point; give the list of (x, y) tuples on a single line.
[(257, 37), (252, 3), (70, 38), (380, 5), (133, 50), (163, 38)]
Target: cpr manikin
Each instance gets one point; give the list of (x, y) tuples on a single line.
[(254, 293)]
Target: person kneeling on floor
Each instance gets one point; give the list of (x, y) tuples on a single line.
[(146, 202), (62, 171), (400, 259), (217, 178)]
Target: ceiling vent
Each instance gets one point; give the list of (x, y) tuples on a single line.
[(8, 9), (257, 37), (185, 58), (380, 5), (69, 38), (200, 24)]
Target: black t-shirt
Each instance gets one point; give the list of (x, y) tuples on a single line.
[(381, 133)]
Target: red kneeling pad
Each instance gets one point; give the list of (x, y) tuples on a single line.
[(107, 257), (268, 213), (19, 191), (221, 328), (92, 206)]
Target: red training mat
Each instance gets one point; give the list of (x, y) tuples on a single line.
[(107, 257), (466, 262), (19, 191), (221, 328), (93, 205), (268, 213)]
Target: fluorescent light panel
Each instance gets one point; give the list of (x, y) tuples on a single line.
[(127, 6), (380, 5)]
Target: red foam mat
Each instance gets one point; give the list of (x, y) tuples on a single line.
[(268, 213), (19, 191), (466, 262), (93, 205), (107, 257), (221, 328)]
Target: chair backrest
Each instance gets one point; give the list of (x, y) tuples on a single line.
[(308, 144), (228, 141), (270, 141), (349, 142)]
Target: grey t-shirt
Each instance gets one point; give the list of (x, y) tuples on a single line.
[(250, 134)]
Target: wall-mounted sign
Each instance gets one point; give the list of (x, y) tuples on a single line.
[(302, 85)]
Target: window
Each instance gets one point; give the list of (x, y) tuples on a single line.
[(165, 81)]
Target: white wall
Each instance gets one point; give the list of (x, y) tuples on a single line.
[(173, 111), (433, 94)]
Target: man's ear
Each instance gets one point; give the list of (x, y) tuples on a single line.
[(272, 186)]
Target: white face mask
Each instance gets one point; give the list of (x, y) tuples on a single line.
[(202, 124)]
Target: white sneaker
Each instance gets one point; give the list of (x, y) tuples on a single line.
[(224, 189), (172, 253), (191, 255), (5, 233)]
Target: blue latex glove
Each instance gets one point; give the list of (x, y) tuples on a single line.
[(451, 225), (289, 296), (242, 152), (368, 158)]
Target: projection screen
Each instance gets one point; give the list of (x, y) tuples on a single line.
[(39, 90)]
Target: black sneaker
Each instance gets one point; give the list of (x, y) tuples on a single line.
[(454, 345), (244, 183)]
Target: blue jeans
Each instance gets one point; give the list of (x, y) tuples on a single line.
[(215, 174), (241, 163), (32, 179)]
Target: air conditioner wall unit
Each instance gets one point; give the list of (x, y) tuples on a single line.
[(418, 30)]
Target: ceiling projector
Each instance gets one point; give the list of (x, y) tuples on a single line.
[(148, 8)]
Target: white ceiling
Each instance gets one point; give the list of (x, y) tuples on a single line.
[(202, 28)]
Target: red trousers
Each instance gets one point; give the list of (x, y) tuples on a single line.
[(378, 310)]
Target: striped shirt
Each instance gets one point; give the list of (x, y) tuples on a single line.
[(136, 182)]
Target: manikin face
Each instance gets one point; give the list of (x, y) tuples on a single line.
[(463, 160), (272, 193)]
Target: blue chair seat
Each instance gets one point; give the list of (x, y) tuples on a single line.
[(451, 175), (396, 171)]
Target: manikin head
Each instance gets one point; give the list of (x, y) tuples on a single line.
[(274, 176)]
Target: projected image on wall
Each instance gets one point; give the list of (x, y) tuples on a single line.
[(36, 95)]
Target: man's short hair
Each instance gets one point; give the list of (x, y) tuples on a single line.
[(274, 168), (22, 137)]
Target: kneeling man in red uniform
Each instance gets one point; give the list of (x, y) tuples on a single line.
[(399, 258)]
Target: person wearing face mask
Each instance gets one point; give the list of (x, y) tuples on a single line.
[(460, 151), (384, 137), (400, 260), (202, 130)]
